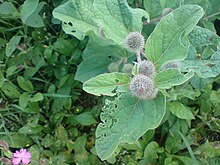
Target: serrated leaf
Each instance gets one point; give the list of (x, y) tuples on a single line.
[(100, 16), (106, 84), (126, 119), (179, 110), (25, 84), (168, 40), (91, 67), (171, 77)]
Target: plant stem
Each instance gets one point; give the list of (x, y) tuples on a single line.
[(209, 16), (143, 53), (152, 21), (138, 54)]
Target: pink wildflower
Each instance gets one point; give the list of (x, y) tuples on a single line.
[(21, 156)]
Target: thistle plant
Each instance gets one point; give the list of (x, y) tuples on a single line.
[(146, 68), (143, 87), (124, 119), (134, 42)]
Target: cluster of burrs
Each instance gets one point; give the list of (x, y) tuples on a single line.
[(142, 85)]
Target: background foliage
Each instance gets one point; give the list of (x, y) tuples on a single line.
[(44, 109)]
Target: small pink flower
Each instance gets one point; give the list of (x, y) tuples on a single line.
[(21, 156)]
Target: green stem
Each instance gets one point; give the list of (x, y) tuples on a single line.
[(210, 16)]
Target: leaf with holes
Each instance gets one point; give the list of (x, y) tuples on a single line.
[(106, 84), (168, 40), (103, 17), (126, 119)]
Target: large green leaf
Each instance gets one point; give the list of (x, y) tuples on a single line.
[(96, 48), (153, 7), (171, 77), (103, 17), (126, 119), (105, 84), (168, 40), (204, 68), (202, 37), (91, 67)]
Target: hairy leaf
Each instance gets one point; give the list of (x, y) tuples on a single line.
[(201, 37), (103, 17), (106, 84), (126, 119), (204, 68), (171, 77), (168, 40)]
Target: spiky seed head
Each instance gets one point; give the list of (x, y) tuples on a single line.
[(143, 87), (134, 42), (171, 65), (146, 68)]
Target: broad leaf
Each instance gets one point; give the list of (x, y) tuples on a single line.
[(29, 13), (204, 68), (91, 67), (171, 77), (126, 119), (106, 84), (168, 40), (95, 48), (202, 37), (179, 110), (103, 17), (153, 7)]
